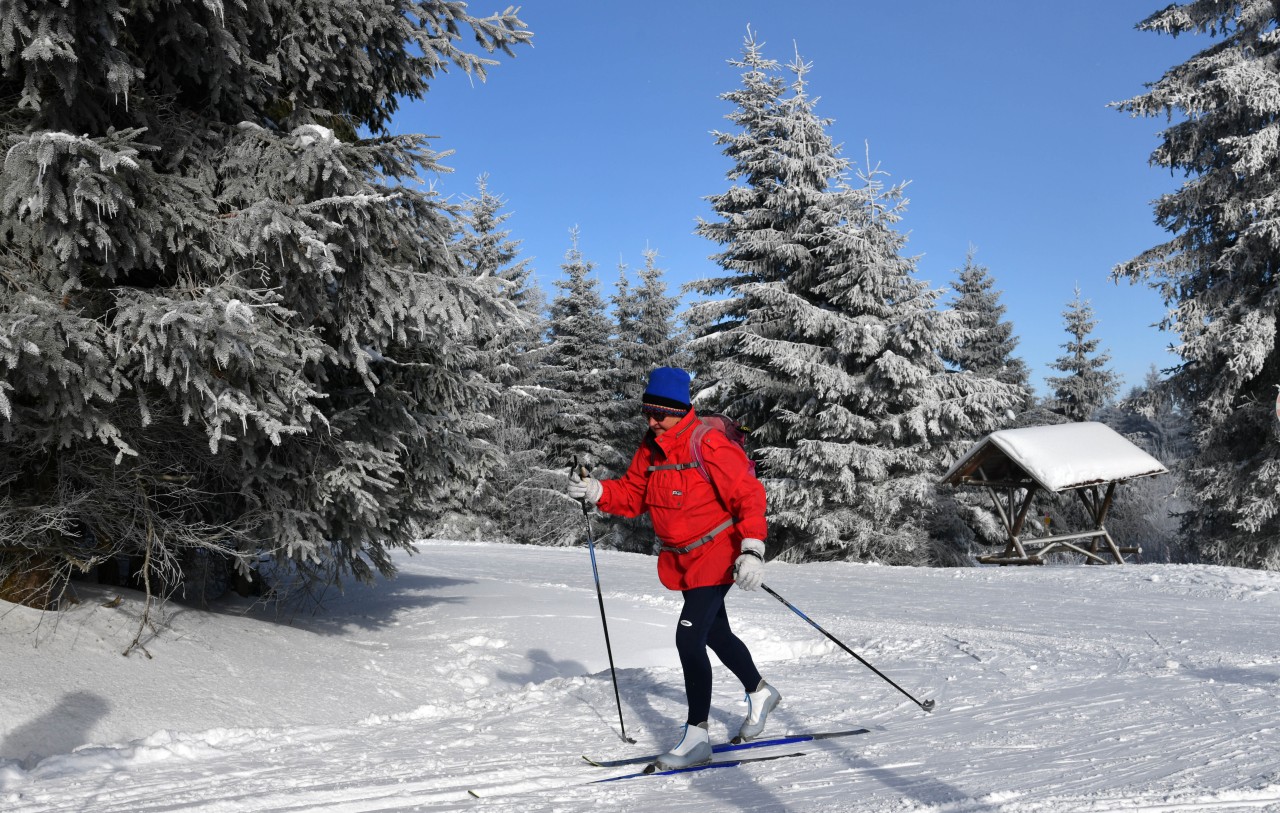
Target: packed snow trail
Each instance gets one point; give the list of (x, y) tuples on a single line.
[(1058, 689)]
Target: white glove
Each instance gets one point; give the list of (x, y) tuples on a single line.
[(585, 489), (748, 570)]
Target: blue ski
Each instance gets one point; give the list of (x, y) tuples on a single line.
[(535, 786), (720, 748), (652, 770)]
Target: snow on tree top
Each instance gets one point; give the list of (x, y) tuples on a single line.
[(308, 134), (1060, 457)]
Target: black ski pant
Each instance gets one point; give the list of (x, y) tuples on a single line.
[(704, 625)]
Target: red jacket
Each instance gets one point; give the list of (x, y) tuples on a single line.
[(684, 506)]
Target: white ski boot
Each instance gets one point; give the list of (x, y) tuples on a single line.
[(694, 749), (759, 703)]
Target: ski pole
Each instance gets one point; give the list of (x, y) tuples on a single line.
[(595, 573), (926, 705)]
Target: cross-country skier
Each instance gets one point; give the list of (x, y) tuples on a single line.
[(711, 528)]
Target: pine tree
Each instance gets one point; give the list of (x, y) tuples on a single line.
[(646, 337), (757, 349), (508, 352), (985, 344), (827, 345), (623, 419), (658, 339), (1218, 271), (977, 341), (743, 212), (772, 230), (904, 416), (230, 327), (510, 348), (581, 368), (1088, 384), (486, 248)]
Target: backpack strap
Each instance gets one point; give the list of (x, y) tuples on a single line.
[(695, 448), (674, 467)]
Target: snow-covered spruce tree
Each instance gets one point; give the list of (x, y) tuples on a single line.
[(485, 248), (982, 343), (827, 345), (511, 497), (658, 338), (580, 369), (229, 327), (751, 346), (985, 344), (646, 337), (1087, 384), (905, 416), (621, 417), (1218, 272), (745, 257)]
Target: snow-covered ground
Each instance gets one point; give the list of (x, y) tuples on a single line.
[(483, 667)]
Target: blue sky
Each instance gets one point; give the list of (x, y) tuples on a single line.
[(995, 111)]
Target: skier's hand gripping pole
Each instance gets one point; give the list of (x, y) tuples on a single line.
[(583, 487)]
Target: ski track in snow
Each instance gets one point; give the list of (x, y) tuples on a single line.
[(1059, 689)]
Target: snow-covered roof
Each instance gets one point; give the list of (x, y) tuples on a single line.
[(1068, 455)]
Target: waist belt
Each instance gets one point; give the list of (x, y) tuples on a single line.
[(679, 549)]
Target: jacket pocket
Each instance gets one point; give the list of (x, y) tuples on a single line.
[(666, 489)]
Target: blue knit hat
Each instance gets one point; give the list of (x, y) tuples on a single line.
[(667, 393)]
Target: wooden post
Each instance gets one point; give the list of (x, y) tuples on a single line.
[(1022, 518)]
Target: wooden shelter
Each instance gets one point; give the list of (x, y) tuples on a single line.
[(1090, 459)]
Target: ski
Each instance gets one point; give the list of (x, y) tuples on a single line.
[(536, 785), (720, 748), (653, 770)]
